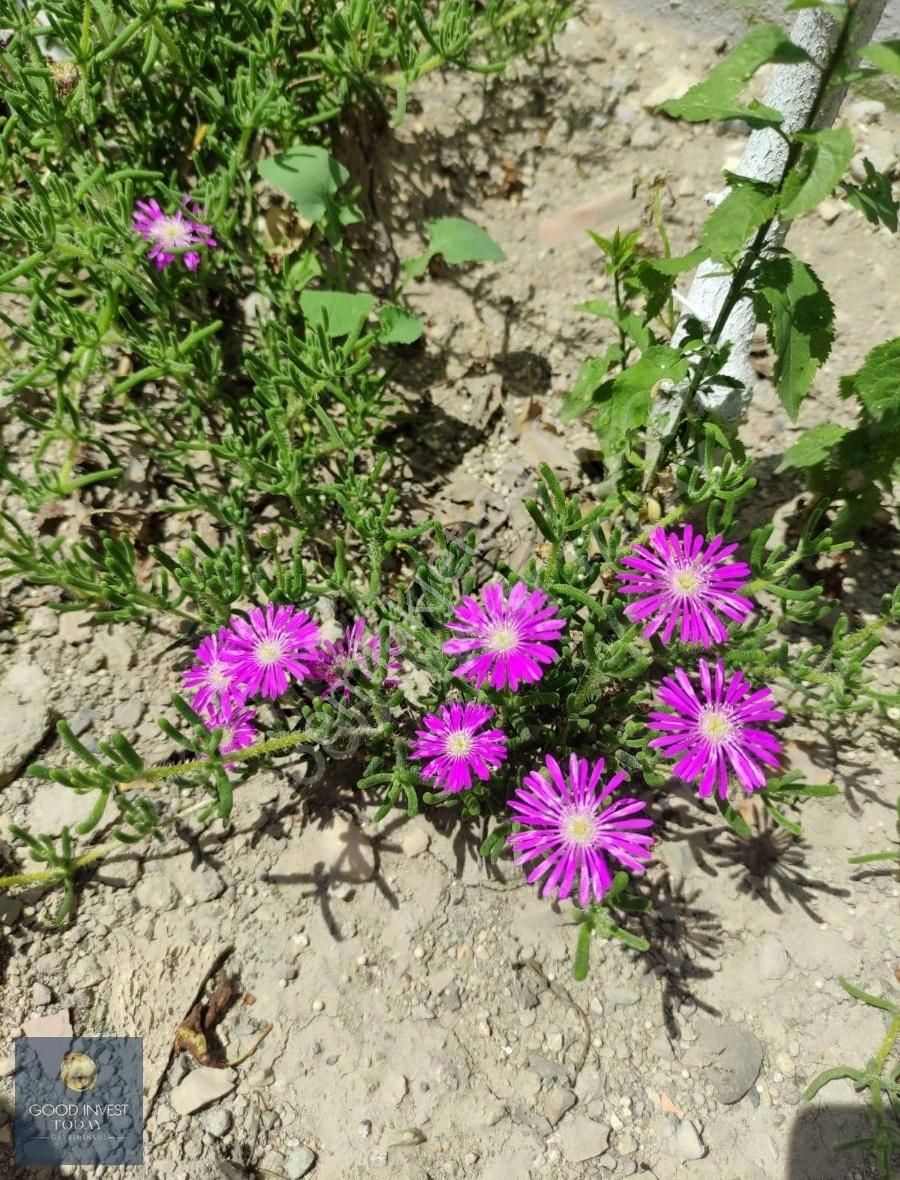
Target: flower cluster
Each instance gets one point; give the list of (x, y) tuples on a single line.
[(683, 586), (261, 655), (568, 826)]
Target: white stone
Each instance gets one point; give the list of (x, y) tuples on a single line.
[(829, 210), (414, 841), (56, 1024), (217, 1122), (24, 719), (394, 1088), (771, 957), (298, 1162), (201, 1087), (582, 1139), (688, 1144)]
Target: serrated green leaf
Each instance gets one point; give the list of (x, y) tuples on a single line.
[(590, 377), (799, 315), (600, 307), (630, 323), (631, 393), (885, 55), (717, 96), (344, 311), (308, 175), (677, 266), (824, 160), (875, 198), (729, 226), (813, 447), (398, 326), (657, 290), (877, 383)]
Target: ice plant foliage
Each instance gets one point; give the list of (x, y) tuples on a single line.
[(683, 584), (270, 646), (507, 641), (172, 234), (456, 746), (715, 732), (571, 828), (354, 652)]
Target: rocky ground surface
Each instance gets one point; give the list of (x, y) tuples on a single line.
[(424, 1021)]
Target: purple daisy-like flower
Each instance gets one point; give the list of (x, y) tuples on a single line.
[(455, 748), (572, 829), (210, 677), (684, 584), (511, 639), (716, 731), (172, 234), (236, 723), (270, 646), (355, 651)]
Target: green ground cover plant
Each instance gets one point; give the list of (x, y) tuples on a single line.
[(184, 279)]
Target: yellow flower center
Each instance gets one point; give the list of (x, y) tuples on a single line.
[(715, 725), (171, 230), (578, 828), (685, 581), (268, 651), (503, 638), (459, 744), (218, 677)]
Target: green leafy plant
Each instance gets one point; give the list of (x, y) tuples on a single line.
[(881, 1078)]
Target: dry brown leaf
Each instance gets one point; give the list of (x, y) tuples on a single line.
[(196, 1033), (285, 230)]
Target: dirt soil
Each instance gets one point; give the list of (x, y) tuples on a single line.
[(425, 1024)]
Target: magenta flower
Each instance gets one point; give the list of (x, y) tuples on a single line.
[(171, 234), (211, 677), (570, 829), (354, 652), (236, 723), (511, 639), (684, 583), (274, 644), (454, 747), (716, 731)]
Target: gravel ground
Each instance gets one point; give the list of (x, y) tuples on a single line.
[(424, 1020)]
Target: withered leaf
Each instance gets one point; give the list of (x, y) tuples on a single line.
[(196, 1033)]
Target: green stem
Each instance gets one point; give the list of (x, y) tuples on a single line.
[(284, 741), (155, 774)]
